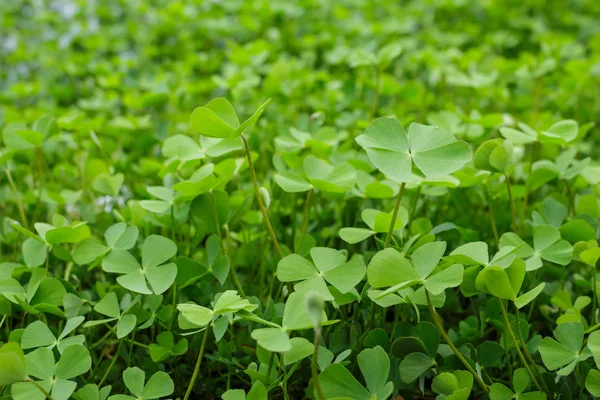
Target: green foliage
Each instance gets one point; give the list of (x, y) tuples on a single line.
[(254, 200)]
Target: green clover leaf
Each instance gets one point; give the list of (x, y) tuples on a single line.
[(330, 266), (389, 268), (54, 378), (455, 385), (374, 364), (377, 221), (109, 307), (547, 245), (521, 382), (565, 352), (152, 276), (318, 174), (37, 334), (428, 149), (562, 132), (218, 119), (159, 385)]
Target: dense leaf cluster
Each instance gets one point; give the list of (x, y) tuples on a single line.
[(285, 200)]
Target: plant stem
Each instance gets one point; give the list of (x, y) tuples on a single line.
[(40, 164), (198, 363), (512, 203), (394, 215), (372, 318), (68, 271), (17, 197), (173, 223), (112, 364), (534, 148), (286, 396), (102, 339), (234, 275), (313, 364), (526, 350), (376, 94), (592, 329), (41, 388), (491, 212), (263, 209), (173, 304), (132, 340), (306, 216), (571, 208), (516, 343), (507, 355), (579, 371), (438, 323), (594, 295), (413, 210), (270, 367), (47, 259)]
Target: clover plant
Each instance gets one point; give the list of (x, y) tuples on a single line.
[(253, 200)]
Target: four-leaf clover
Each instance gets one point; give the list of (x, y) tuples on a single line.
[(153, 273), (428, 149), (330, 266)]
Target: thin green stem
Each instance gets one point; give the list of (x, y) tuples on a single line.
[(112, 364), (41, 388), (173, 304), (102, 339), (198, 364), (217, 222), (507, 355), (40, 164), (263, 209), (17, 197), (512, 203), (491, 213), (376, 94), (581, 372), (284, 385), (516, 343), (571, 207), (413, 210), (372, 319), (47, 259), (532, 157), (315, 373), (306, 216), (594, 295), (234, 275), (487, 376), (526, 350), (173, 223), (394, 215), (438, 323), (592, 329), (68, 271), (270, 367)]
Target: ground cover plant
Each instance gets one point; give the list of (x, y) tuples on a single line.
[(299, 200)]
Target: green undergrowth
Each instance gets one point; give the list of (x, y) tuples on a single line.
[(286, 200)]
